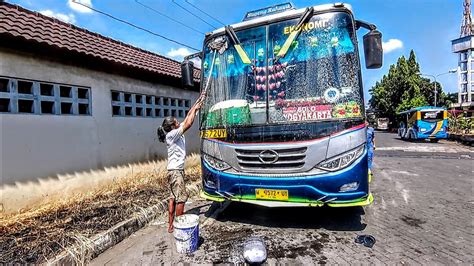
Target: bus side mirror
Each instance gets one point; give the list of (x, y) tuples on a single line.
[(373, 49), (187, 69)]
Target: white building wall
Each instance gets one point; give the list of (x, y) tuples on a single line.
[(464, 48), (465, 78), (35, 146)]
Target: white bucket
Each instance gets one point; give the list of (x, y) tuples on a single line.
[(186, 233)]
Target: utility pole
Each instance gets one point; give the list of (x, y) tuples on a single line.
[(436, 81)]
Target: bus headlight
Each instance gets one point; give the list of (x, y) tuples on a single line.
[(216, 163), (342, 160)]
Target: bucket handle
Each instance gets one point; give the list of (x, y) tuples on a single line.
[(190, 235)]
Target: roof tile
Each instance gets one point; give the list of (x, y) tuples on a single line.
[(35, 27)]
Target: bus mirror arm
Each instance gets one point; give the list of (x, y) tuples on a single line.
[(365, 25), (373, 50)]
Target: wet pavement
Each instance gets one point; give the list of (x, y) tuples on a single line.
[(422, 214)]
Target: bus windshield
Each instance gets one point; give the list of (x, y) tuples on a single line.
[(317, 78)]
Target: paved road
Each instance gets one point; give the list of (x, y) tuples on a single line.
[(422, 214)]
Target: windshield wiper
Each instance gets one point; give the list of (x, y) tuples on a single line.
[(233, 37), (294, 35)]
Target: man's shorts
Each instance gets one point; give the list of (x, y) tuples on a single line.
[(177, 182)]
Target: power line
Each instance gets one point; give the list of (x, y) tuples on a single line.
[(135, 26), (198, 17), (170, 18), (209, 15)]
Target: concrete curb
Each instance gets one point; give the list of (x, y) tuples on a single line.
[(92, 247)]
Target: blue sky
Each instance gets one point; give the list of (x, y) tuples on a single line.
[(427, 26)]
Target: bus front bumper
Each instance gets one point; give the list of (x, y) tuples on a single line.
[(317, 190), (271, 203)]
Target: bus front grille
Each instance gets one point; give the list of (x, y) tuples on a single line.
[(272, 159)]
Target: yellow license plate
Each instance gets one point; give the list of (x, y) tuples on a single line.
[(271, 194), (214, 134)]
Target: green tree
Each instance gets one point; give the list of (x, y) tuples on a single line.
[(414, 101), (412, 64), (446, 99), (403, 88)]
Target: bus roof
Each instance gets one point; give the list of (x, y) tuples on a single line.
[(289, 13), (423, 108)]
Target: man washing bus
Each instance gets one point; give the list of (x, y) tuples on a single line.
[(172, 132)]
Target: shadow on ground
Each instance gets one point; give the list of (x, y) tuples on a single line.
[(424, 141), (203, 209), (333, 219)]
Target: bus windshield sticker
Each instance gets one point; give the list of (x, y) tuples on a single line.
[(331, 95), (317, 24), (347, 110), (307, 113), (268, 11), (431, 115)]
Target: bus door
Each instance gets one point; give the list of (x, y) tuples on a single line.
[(412, 123)]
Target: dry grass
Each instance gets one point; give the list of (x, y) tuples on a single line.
[(38, 234)]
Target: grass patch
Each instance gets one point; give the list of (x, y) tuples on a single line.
[(41, 233)]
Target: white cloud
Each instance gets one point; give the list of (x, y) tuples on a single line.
[(392, 45), (63, 17), (179, 53), (79, 8)]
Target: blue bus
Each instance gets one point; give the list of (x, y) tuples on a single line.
[(283, 123), (426, 122)]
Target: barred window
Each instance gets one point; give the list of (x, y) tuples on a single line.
[(143, 105), (21, 96)]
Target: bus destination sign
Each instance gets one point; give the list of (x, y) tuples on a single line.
[(268, 11)]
